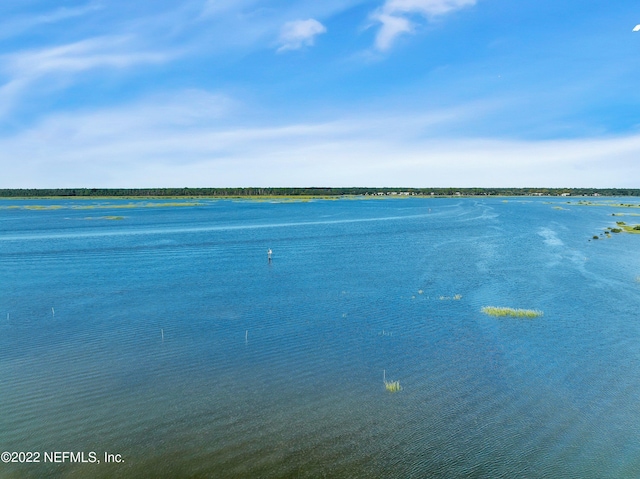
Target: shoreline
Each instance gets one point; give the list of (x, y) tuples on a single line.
[(310, 193)]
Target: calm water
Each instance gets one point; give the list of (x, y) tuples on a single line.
[(173, 342)]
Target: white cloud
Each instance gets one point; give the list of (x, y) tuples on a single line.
[(20, 24), (113, 52), (428, 8), (394, 16), (218, 7), (24, 71), (64, 13), (190, 140), (392, 26), (299, 34)]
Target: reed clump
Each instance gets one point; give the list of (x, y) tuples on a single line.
[(392, 386), (515, 313), (457, 297)]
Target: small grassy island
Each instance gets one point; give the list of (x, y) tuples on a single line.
[(621, 226), (633, 229), (390, 386), (516, 313)]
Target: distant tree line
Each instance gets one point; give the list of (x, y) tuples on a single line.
[(368, 191)]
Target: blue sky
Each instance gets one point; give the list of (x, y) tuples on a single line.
[(319, 93)]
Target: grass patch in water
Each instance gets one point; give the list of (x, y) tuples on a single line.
[(391, 386), (41, 207), (633, 229), (606, 203), (141, 204), (456, 297), (622, 227), (137, 204), (515, 313)]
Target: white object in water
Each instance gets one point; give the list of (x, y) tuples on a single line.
[(269, 252), (636, 28)]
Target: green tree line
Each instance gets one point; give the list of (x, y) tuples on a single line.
[(315, 191)]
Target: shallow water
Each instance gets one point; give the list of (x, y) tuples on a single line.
[(173, 342)]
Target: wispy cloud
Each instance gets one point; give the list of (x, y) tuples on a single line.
[(114, 52), (18, 25), (394, 16), (300, 33), (27, 69), (189, 140), (219, 7)]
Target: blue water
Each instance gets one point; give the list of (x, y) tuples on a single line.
[(167, 337)]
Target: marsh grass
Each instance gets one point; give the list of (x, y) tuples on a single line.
[(633, 229), (140, 204), (608, 204), (515, 313), (391, 386), (456, 297), (41, 207), (137, 204)]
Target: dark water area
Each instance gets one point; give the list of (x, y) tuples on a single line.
[(160, 332)]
